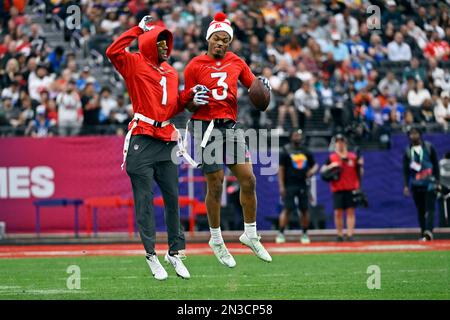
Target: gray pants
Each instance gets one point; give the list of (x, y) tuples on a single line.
[(149, 159)]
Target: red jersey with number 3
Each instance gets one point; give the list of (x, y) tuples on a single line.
[(221, 76)]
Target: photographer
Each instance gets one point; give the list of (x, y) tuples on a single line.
[(421, 172), (343, 170)]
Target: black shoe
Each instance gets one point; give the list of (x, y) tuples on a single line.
[(339, 239)]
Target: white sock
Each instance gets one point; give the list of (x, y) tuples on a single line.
[(250, 229), (216, 235)]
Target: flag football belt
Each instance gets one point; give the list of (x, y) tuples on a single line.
[(182, 152), (139, 117), (217, 123)]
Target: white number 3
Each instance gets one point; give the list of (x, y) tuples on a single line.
[(163, 83), (221, 82)]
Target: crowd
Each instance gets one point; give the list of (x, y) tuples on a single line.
[(326, 60)]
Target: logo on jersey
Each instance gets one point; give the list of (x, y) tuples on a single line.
[(299, 161)]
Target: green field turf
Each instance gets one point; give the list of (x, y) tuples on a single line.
[(404, 275)]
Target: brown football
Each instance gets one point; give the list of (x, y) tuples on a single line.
[(259, 95)]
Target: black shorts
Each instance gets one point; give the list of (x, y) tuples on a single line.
[(296, 193), (226, 145), (343, 200)]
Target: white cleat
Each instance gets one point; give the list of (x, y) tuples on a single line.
[(156, 268), (305, 239), (256, 246), (280, 238), (222, 254), (179, 266)]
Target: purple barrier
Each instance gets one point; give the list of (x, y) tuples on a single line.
[(383, 183)]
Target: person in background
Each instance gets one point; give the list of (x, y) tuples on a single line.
[(444, 173), (297, 166), (351, 171), (421, 176), (41, 126), (70, 115)]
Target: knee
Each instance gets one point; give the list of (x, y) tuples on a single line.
[(338, 214), (248, 185)]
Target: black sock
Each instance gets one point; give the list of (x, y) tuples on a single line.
[(149, 254), (282, 230), (172, 253), (305, 230)]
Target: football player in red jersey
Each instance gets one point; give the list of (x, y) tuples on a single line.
[(220, 71), (153, 88)]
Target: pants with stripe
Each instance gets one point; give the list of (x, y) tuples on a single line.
[(148, 160)]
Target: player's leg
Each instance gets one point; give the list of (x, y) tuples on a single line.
[(430, 202), (420, 202), (303, 204), (247, 181), (350, 214), (338, 214), (214, 186), (166, 176), (283, 220), (141, 173)]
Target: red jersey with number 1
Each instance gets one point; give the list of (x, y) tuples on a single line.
[(221, 76)]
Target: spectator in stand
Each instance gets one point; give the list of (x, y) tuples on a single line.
[(437, 48), (86, 77), (91, 109), (427, 112), (418, 95), (39, 80), (394, 112), (337, 48), (56, 59), (390, 83), (306, 100), (107, 103), (41, 126), (442, 110), (391, 14), (444, 173), (377, 50), (398, 50), (70, 115), (414, 70)]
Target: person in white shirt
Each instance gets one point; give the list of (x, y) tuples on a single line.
[(306, 99), (442, 110), (39, 80), (70, 114), (398, 50), (391, 83), (419, 95)]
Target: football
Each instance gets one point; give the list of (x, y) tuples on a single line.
[(259, 95)]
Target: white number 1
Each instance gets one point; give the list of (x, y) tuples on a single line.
[(163, 83)]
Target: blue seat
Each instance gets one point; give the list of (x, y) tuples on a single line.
[(60, 202)]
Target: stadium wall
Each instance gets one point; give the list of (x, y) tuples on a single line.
[(83, 167)]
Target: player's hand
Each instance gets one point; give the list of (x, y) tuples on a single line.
[(406, 191), (265, 82), (143, 24), (201, 97)]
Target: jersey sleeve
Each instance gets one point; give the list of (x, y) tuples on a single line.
[(284, 158), (189, 82), (311, 160), (123, 60), (246, 76)]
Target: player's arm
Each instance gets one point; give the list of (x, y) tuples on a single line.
[(246, 77), (116, 52), (194, 95)]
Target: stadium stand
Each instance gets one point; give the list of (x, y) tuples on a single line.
[(362, 81)]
